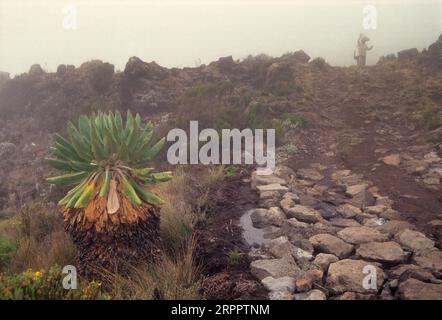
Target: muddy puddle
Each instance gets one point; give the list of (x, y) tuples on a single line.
[(254, 237)]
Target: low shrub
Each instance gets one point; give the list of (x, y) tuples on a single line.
[(46, 285), (7, 250), (319, 63)]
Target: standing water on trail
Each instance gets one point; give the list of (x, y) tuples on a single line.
[(255, 237)]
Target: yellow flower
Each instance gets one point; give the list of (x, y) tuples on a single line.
[(37, 275)]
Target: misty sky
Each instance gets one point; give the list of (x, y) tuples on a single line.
[(181, 33)]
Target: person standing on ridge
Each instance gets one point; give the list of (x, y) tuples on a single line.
[(362, 50)]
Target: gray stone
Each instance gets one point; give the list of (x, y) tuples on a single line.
[(384, 201), (431, 259), (264, 217), (348, 211), (432, 180), (355, 190), (408, 54), (358, 235), (348, 275), (36, 70), (413, 289), (325, 227), (257, 180), (284, 172), (323, 260), (414, 240), (301, 254), (272, 187), (399, 270), (394, 226), (390, 214), (341, 222), (354, 296), (437, 223), (280, 295), (286, 204), (297, 224), (310, 174), (374, 222), (283, 284), (385, 252), (392, 160), (280, 247), (304, 214), (269, 195), (377, 210), (360, 196), (311, 295), (326, 243), (275, 268)]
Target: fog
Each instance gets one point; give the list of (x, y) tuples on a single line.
[(186, 33)]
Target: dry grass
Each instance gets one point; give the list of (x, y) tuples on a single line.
[(39, 239), (172, 278), (178, 218)]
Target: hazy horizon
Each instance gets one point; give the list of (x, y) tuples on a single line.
[(184, 33)]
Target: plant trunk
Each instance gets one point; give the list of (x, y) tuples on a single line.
[(105, 247)]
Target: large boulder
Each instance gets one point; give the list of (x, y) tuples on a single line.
[(136, 68), (279, 71), (408, 54), (36, 70), (433, 56), (300, 56), (98, 73), (4, 76), (61, 69)]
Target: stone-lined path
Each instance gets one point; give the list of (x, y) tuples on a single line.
[(330, 234)]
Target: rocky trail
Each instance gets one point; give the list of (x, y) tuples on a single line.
[(361, 200)]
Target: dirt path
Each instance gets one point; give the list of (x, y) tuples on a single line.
[(353, 119)]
